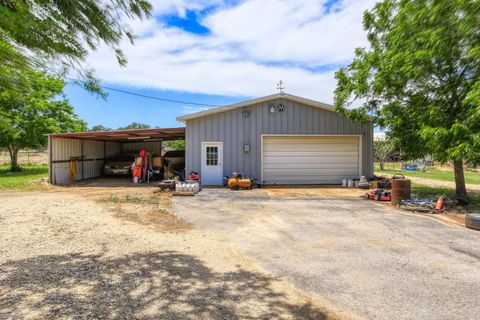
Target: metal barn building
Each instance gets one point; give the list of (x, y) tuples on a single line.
[(278, 139)]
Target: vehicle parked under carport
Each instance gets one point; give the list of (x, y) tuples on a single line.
[(120, 165)]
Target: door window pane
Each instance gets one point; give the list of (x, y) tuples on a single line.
[(211, 156)]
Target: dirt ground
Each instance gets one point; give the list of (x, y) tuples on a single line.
[(120, 252)]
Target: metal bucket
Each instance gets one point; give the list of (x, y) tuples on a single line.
[(401, 190)]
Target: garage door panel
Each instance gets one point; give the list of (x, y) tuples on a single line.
[(305, 180), (287, 166), (319, 172), (330, 160), (310, 154), (300, 147), (313, 138), (310, 159)]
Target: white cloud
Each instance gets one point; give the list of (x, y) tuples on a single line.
[(181, 6), (193, 109), (251, 46)]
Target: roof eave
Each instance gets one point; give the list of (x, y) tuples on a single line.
[(255, 101)]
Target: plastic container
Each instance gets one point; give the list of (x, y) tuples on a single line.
[(350, 183), (194, 185)]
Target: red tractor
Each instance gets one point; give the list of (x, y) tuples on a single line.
[(379, 195)]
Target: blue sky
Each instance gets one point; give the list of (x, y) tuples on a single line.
[(121, 109), (221, 52)]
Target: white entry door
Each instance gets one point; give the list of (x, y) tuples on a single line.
[(212, 163)]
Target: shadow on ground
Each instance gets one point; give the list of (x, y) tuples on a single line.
[(161, 284)]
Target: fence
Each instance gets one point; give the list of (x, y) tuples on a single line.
[(26, 156)]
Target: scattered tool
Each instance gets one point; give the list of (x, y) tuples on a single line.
[(237, 182), (378, 195), (427, 206), (167, 185), (193, 176), (183, 193), (439, 204)]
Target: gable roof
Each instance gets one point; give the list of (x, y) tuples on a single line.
[(247, 103)]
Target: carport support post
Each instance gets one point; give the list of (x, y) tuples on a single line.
[(50, 173), (82, 158), (104, 156)]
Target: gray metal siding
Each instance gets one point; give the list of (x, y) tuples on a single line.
[(234, 130), (112, 149), (62, 149)]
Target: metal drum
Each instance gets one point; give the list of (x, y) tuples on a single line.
[(401, 189)]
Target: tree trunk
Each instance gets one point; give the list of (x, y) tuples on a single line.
[(381, 165), (460, 188), (14, 167)]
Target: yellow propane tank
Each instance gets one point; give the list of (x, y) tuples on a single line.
[(235, 183)]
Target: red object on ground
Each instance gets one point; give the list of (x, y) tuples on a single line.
[(140, 170), (137, 172), (439, 204), (193, 176), (379, 195)]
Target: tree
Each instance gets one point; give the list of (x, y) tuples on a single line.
[(135, 125), (382, 150), (61, 32), (176, 144), (99, 127), (420, 79), (29, 115)]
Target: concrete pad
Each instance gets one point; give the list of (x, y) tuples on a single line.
[(361, 256)]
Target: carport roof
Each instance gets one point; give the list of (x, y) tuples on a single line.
[(127, 135)]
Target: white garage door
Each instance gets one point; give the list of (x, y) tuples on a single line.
[(310, 159)]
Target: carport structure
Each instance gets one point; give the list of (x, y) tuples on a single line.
[(90, 150)]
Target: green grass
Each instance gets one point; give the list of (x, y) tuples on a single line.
[(115, 198), (23, 180), (420, 191), (430, 173)]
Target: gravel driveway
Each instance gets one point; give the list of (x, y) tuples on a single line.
[(64, 255), (363, 257)]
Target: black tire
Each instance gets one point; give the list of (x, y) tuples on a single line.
[(472, 221)]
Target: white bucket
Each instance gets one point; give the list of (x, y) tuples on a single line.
[(350, 183), (194, 186)]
